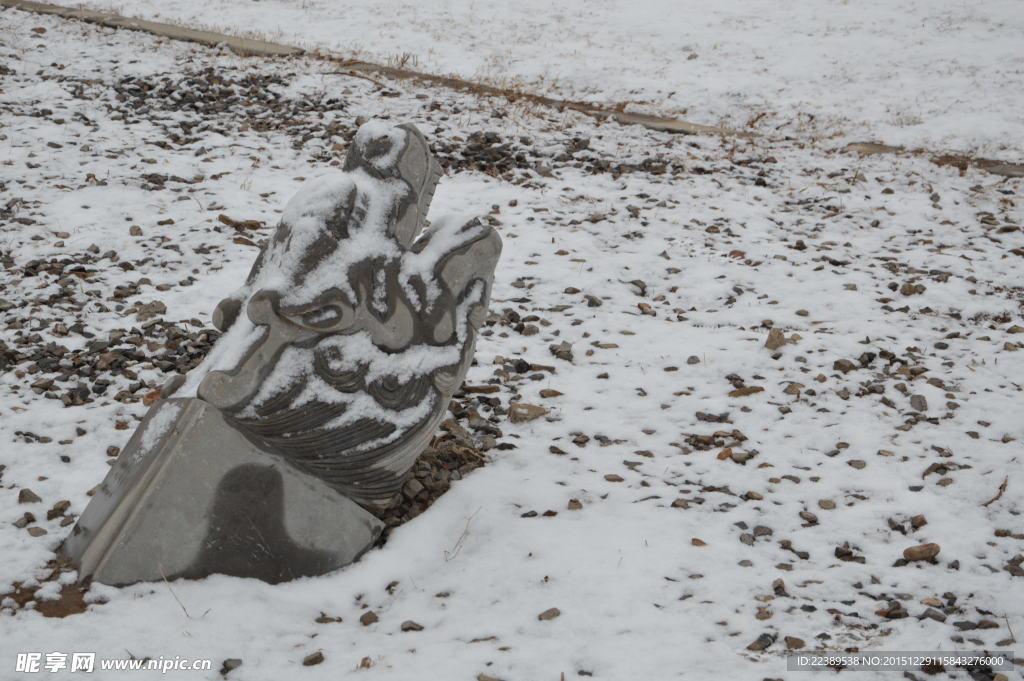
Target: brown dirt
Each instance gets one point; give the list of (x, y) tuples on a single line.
[(71, 601)]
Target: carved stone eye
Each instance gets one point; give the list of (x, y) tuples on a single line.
[(379, 146), (324, 317)]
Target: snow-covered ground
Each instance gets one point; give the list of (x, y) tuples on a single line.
[(941, 74), (693, 503)]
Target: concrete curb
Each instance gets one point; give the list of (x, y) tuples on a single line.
[(262, 48)]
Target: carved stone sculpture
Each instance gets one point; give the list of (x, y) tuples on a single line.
[(337, 361)]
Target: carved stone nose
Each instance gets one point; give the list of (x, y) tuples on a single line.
[(229, 389)]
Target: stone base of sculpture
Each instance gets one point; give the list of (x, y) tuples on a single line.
[(190, 496)]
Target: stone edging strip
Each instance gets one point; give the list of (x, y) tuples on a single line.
[(262, 48), (956, 160)]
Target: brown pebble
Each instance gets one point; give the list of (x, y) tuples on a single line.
[(921, 552), (521, 413), (794, 643), (762, 642), (312, 659), (409, 625), (776, 339), (58, 509), (368, 618), (549, 614), (27, 496)]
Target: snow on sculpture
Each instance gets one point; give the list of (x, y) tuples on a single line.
[(337, 361)]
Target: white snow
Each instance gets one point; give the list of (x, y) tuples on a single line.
[(158, 426), (933, 73), (376, 133), (306, 213), (652, 570)]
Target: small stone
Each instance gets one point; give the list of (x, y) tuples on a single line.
[(844, 365), (776, 339), (549, 614), (37, 531), (412, 487), (762, 642), (313, 658), (932, 614), (58, 509), (521, 413), (693, 359), (794, 388), (549, 392), (918, 403), (802, 313), (921, 552), (894, 611), (698, 542), (409, 625), (562, 350), (612, 477), (909, 289), (918, 521), (368, 618), (826, 504), (794, 643), (575, 505), (230, 664), (27, 496), (809, 517), (859, 464)]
